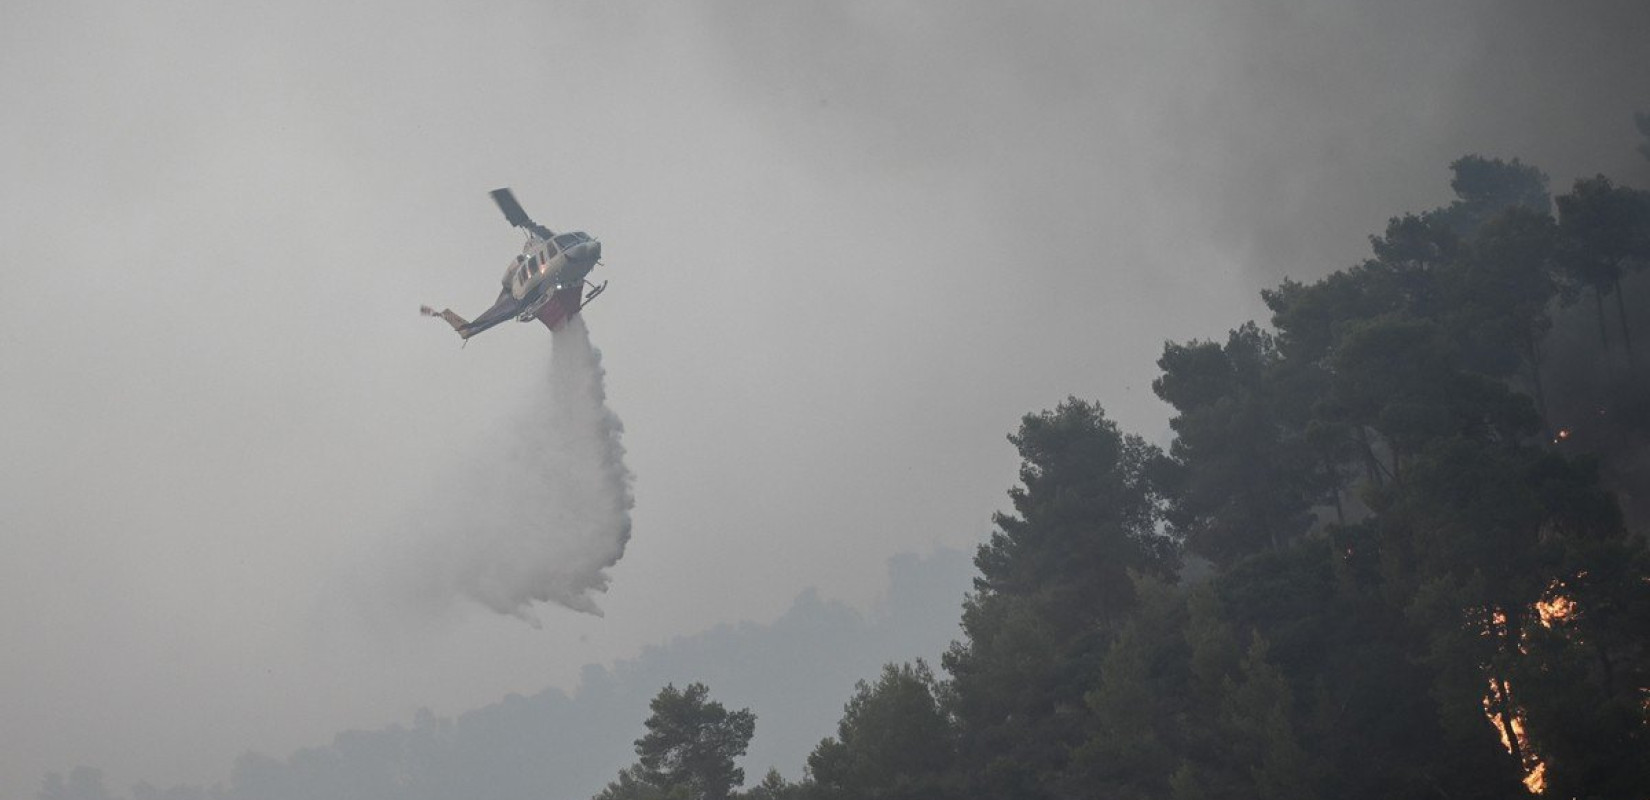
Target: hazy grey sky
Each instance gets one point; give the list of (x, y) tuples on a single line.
[(849, 245)]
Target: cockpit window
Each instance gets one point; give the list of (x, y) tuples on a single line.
[(567, 240)]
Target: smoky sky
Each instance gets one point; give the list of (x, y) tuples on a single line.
[(1252, 115), (849, 244)]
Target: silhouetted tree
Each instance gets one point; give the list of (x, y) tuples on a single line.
[(688, 750), (83, 783), (1136, 705), (1605, 231), (1486, 187), (894, 741), (1054, 583), (775, 787), (1500, 293), (1243, 475)]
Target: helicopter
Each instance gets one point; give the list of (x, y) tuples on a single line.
[(546, 282)]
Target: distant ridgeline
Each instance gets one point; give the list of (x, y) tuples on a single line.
[(793, 671), (1417, 509)]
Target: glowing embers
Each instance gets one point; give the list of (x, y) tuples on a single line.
[(1555, 608), (1497, 623), (1509, 721)]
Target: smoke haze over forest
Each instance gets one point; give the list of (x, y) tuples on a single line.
[(850, 244)]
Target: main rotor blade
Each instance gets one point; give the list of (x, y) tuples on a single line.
[(512, 210)]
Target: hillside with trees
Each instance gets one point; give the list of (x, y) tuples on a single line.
[(1396, 548)]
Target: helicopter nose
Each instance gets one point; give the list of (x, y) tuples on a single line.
[(588, 251)]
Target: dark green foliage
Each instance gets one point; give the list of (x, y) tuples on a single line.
[(688, 751), (1487, 187), (1388, 652), (1605, 232), (1054, 584), (1086, 514), (894, 742), (1256, 718), (1500, 292), (1130, 740), (775, 787), (1244, 473), (630, 785)]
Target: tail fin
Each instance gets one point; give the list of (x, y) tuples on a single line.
[(459, 323)]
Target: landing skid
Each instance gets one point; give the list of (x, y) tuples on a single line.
[(595, 291), (532, 311)]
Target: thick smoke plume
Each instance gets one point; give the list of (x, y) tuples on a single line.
[(550, 511)]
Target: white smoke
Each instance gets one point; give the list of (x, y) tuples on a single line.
[(548, 509)]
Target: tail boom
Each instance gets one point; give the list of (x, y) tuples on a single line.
[(459, 323)]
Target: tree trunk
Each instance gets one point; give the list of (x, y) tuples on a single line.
[(1511, 633), (1603, 332), (1335, 480), (1504, 715), (1621, 314), (1532, 354), (1372, 464)]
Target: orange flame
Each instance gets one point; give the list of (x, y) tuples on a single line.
[(1535, 770), (1555, 609)]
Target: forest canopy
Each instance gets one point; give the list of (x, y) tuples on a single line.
[(1396, 547)]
